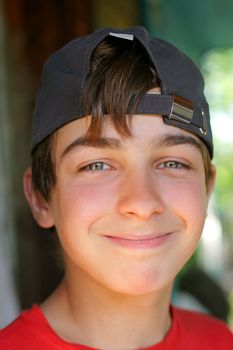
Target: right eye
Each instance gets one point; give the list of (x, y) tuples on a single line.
[(96, 166)]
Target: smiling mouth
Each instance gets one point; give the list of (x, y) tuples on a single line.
[(141, 242)]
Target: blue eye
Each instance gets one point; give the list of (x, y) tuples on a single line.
[(95, 166), (173, 164)]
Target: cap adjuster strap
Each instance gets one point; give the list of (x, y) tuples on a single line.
[(174, 108), (181, 110), (122, 35)]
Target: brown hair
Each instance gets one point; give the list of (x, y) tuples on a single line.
[(121, 73)]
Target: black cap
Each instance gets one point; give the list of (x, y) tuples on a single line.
[(182, 102)]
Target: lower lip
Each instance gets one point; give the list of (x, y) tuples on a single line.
[(140, 243)]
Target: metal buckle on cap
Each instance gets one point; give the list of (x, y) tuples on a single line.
[(182, 110)]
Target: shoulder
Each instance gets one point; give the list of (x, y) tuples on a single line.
[(24, 332), (204, 329)]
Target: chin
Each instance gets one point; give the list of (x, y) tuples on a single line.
[(141, 286)]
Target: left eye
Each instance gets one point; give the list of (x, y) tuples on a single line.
[(96, 166), (172, 164)]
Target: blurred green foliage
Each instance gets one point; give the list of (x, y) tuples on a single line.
[(193, 26), (217, 67)]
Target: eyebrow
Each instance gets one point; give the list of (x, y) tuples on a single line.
[(100, 142), (166, 140), (176, 140)]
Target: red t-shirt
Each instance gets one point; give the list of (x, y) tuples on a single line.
[(189, 331)]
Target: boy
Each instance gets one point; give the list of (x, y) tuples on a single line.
[(121, 168)]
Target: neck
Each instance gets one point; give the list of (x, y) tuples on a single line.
[(91, 315)]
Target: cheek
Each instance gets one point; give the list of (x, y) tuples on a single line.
[(84, 204), (189, 201)]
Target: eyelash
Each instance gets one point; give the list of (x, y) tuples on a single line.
[(164, 165), (87, 167), (178, 165)]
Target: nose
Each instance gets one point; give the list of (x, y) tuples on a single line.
[(140, 197)]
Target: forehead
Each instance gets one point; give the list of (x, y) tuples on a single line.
[(144, 129)]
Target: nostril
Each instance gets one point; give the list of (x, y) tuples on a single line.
[(140, 204)]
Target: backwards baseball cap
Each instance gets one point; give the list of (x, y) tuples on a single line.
[(181, 103)]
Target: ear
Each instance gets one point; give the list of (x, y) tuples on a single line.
[(211, 182), (39, 206)]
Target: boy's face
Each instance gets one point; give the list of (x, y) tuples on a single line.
[(129, 212)]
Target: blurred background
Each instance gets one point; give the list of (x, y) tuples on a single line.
[(32, 29)]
